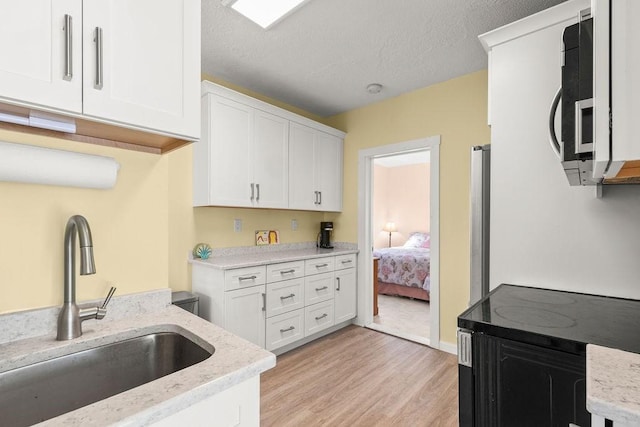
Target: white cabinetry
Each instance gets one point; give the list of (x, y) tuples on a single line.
[(616, 91), (233, 299), (345, 291), (132, 64), (315, 171), (236, 406), (301, 298), (244, 156), (35, 49), (145, 69)]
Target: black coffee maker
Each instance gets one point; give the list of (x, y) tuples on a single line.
[(324, 237)]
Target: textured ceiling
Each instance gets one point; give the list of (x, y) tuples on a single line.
[(322, 57)]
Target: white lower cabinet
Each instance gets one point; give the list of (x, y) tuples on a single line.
[(318, 317), (285, 329), (278, 304), (236, 406), (345, 295), (244, 312)]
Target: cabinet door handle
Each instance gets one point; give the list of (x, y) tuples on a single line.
[(240, 279), (68, 48), (290, 328), (320, 197), (258, 192), (338, 279), (322, 288), (98, 39), (287, 296), (322, 265), (264, 302), (322, 317), (288, 271), (316, 200), (252, 191)]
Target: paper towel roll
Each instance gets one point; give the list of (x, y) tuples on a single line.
[(39, 165)]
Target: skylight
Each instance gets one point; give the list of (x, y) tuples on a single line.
[(264, 12)]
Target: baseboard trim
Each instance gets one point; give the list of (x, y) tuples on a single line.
[(449, 347)]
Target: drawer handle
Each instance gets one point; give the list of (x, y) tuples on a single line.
[(322, 288), (240, 279), (288, 271), (338, 280), (287, 296), (264, 302), (347, 261), (322, 317), (290, 328), (321, 265)]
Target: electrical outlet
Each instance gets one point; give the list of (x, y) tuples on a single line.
[(237, 225), (294, 224)]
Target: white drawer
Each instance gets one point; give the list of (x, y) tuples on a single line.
[(244, 277), (285, 329), (318, 317), (318, 265), (285, 296), (318, 288), (285, 271), (343, 262)]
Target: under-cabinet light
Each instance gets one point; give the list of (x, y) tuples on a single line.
[(41, 120), (264, 12)]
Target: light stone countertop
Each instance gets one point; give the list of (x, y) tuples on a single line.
[(233, 361), (613, 384), (251, 259)]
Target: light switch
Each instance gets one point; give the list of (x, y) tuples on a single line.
[(237, 225), (294, 224)]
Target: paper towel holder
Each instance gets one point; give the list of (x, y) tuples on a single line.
[(49, 166)]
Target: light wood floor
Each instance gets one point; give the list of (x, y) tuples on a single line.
[(360, 377)]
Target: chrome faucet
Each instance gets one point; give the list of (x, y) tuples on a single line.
[(71, 316)]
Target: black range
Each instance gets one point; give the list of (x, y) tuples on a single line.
[(556, 319), (522, 354)]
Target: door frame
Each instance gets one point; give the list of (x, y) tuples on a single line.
[(365, 231)]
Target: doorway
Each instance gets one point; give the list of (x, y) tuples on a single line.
[(368, 228)]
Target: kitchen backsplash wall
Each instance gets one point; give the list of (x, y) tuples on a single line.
[(129, 226)]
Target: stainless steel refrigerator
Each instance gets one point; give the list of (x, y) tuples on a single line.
[(479, 221)]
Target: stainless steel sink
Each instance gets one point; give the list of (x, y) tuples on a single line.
[(44, 390)]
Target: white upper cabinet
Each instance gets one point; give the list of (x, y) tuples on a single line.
[(142, 63), (315, 169), (107, 64), (270, 160), (41, 61), (616, 90), (241, 159), (253, 154)]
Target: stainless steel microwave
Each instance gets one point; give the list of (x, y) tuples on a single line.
[(575, 96)]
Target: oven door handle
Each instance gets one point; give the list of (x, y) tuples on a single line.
[(553, 139)]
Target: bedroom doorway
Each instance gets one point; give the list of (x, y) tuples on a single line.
[(424, 321), (401, 244)]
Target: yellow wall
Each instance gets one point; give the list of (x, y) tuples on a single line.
[(456, 110), (144, 228), (129, 226)]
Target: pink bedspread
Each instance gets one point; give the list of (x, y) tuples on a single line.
[(404, 266)]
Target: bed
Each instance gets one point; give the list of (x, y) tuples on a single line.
[(404, 270)]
